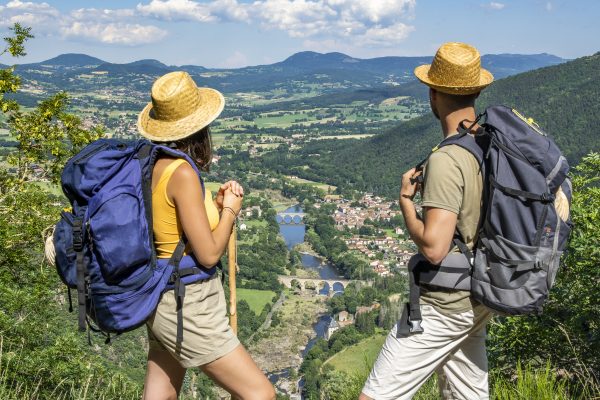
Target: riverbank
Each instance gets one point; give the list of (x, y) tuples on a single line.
[(279, 350), (306, 248)]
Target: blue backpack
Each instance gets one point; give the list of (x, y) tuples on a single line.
[(105, 245)]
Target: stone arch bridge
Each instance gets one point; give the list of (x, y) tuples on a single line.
[(288, 218), (286, 280)]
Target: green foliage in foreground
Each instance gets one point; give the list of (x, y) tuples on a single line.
[(93, 385), (528, 383), (40, 356)]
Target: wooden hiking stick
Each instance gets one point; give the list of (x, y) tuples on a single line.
[(232, 257)]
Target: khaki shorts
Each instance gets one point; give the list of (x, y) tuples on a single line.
[(207, 335)]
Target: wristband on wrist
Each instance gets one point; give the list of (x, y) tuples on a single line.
[(231, 211)]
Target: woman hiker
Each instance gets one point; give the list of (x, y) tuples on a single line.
[(179, 116)]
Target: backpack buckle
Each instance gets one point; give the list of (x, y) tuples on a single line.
[(415, 326), (547, 197), (418, 179), (78, 235)]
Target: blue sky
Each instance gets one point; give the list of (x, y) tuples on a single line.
[(235, 33)]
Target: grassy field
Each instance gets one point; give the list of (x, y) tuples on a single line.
[(255, 222), (256, 299), (361, 354), (323, 186), (218, 139)]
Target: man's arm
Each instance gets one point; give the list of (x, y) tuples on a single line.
[(433, 236)]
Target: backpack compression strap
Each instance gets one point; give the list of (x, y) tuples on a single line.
[(174, 261), (413, 306), (81, 273)]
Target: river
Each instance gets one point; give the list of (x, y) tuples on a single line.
[(293, 234)]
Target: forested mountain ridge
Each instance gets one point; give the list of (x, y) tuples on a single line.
[(330, 71), (562, 99)]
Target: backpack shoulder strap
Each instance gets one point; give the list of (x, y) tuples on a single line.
[(467, 142)]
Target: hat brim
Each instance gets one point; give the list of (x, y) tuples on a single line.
[(168, 131), (485, 78)]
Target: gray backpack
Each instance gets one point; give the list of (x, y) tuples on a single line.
[(522, 236)]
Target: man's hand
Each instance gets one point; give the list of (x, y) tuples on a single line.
[(410, 186)]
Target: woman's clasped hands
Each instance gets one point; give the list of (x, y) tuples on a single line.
[(230, 196)]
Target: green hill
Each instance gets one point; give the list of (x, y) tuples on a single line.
[(358, 356), (563, 99)]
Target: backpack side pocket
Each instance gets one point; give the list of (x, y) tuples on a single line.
[(65, 255)]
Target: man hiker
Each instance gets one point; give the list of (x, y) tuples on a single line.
[(452, 340)]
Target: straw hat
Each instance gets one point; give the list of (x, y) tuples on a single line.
[(179, 108), (456, 69)]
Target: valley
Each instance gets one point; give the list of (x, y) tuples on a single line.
[(328, 138)]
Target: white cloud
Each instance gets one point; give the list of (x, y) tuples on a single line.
[(299, 18), (182, 10), (94, 14), (369, 22), (229, 10), (338, 24), (385, 36), (236, 60), (549, 6), (347, 22), (29, 14), (173, 10), (103, 26), (125, 34), (20, 6), (495, 5)]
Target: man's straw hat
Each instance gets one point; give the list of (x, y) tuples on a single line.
[(178, 108), (456, 69)]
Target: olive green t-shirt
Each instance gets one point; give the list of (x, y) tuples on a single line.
[(453, 182)]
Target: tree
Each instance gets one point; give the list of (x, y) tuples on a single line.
[(48, 356), (365, 322)]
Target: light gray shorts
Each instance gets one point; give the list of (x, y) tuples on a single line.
[(207, 335), (453, 346)]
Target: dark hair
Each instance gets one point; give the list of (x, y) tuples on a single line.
[(199, 147)]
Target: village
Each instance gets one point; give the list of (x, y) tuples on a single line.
[(386, 254)]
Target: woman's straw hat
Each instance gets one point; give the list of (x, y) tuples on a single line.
[(179, 108), (456, 69)]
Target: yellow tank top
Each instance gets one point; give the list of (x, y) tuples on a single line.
[(167, 228)]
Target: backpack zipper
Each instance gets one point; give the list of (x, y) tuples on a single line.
[(90, 154), (530, 122)]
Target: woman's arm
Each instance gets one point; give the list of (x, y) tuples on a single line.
[(186, 193)]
